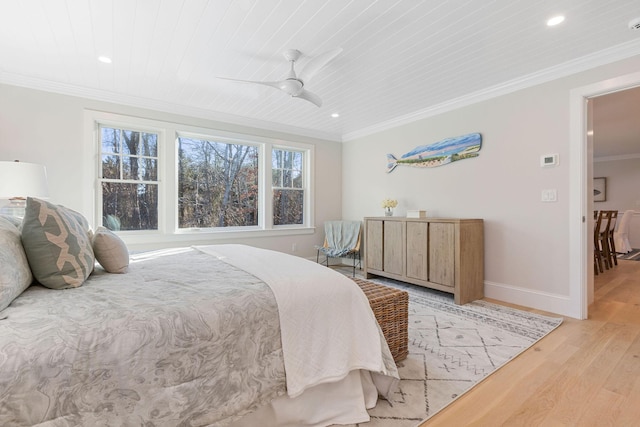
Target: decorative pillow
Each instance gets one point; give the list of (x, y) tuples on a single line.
[(110, 251), (57, 244), (15, 275)]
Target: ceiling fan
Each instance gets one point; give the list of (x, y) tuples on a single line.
[(294, 84)]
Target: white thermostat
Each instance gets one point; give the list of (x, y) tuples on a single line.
[(549, 160)]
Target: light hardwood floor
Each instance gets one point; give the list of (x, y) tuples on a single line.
[(585, 373)]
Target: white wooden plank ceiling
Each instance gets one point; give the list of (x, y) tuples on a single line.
[(400, 59)]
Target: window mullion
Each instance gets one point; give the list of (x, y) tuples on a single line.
[(267, 185), (120, 153)]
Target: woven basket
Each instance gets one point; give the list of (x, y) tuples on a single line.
[(391, 308)]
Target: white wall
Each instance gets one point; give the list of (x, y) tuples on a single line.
[(623, 190), (526, 241), (47, 128)]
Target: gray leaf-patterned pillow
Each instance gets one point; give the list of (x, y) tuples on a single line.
[(15, 275), (57, 244)]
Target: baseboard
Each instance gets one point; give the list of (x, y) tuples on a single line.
[(553, 303)]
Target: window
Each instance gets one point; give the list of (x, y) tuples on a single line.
[(217, 184), (129, 179), (288, 186), (161, 181)]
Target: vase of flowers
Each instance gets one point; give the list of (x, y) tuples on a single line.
[(388, 205)]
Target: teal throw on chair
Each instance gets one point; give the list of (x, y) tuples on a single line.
[(342, 239)]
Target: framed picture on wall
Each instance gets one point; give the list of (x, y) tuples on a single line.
[(599, 189)]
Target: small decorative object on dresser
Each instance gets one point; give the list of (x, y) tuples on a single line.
[(416, 214), (388, 205)]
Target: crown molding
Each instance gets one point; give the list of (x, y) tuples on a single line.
[(616, 158), (161, 106), (603, 57)]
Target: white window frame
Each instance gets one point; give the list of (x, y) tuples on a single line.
[(168, 133), (265, 197), (134, 124), (226, 140), (305, 181)]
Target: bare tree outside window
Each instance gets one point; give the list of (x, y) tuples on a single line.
[(129, 179), (288, 187), (217, 184)]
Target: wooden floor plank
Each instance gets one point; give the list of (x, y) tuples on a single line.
[(532, 404), (626, 372), (630, 411), (602, 410)]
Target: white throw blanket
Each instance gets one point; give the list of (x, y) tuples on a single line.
[(316, 330)]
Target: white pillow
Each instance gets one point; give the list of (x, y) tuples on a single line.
[(15, 275), (110, 251)]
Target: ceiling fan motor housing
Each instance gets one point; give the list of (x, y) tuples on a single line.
[(291, 86)]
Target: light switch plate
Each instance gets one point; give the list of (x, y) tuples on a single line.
[(550, 195)]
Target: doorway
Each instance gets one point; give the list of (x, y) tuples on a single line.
[(581, 190)]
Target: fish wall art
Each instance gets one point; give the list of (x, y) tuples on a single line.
[(439, 153)]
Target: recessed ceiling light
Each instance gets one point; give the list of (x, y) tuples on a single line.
[(334, 115), (555, 20), (104, 59)]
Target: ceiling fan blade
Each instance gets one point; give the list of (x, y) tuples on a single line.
[(311, 97), (317, 63), (289, 86), (276, 85)]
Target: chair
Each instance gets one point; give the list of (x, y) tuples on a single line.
[(613, 256), (341, 239), (602, 234), (597, 251), (621, 235)]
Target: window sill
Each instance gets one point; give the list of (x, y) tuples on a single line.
[(156, 240)]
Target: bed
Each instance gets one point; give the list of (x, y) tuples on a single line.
[(201, 336)]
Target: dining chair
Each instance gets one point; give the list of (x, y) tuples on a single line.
[(597, 251), (602, 239), (613, 257)]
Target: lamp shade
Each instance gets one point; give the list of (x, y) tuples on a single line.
[(21, 180)]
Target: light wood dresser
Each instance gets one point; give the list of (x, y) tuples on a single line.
[(439, 253)]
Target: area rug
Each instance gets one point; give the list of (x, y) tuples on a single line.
[(451, 349), (634, 255)]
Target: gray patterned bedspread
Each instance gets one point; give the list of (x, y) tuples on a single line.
[(181, 340)]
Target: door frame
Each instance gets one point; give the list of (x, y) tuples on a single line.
[(580, 250)]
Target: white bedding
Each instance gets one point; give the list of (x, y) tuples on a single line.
[(346, 336), (318, 310)]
